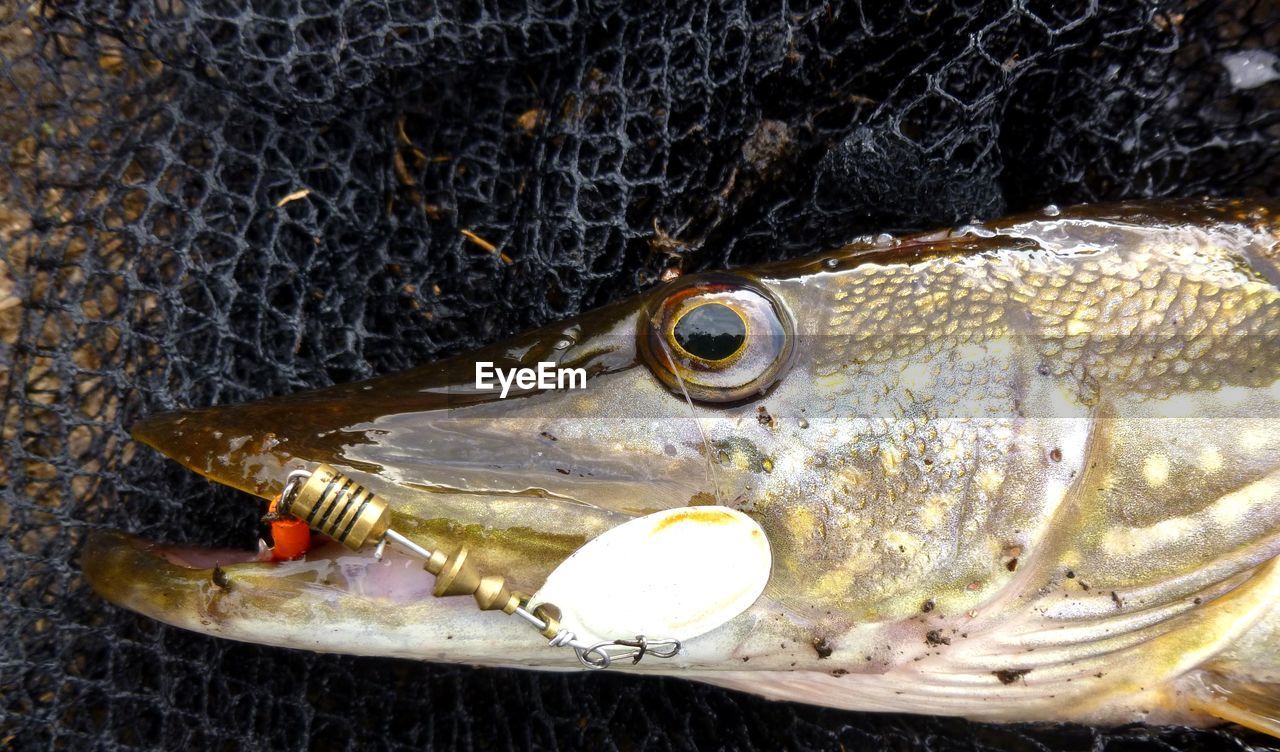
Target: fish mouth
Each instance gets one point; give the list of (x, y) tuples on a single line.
[(521, 481), (333, 600)]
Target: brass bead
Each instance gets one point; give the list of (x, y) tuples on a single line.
[(454, 575), (551, 615), (333, 504), (458, 575), (494, 595)]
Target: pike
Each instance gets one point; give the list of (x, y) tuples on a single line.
[(1022, 471)]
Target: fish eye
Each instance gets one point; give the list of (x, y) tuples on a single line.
[(718, 338), (712, 332)]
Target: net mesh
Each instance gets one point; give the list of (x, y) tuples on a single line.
[(208, 201)]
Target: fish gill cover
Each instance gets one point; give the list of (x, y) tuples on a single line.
[(211, 201)]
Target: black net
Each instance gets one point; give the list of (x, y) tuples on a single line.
[(209, 201)]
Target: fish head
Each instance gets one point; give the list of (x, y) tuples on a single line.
[(523, 451)]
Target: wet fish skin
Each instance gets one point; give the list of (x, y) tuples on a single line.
[(1021, 471)]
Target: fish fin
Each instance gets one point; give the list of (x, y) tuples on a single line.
[(1252, 704)]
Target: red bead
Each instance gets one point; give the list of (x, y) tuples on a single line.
[(290, 538)]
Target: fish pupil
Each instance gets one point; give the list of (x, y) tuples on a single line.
[(713, 331)]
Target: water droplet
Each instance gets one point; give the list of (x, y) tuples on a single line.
[(830, 263), (884, 238), (977, 230), (1052, 210)]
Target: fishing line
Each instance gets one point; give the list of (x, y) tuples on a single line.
[(706, 442)]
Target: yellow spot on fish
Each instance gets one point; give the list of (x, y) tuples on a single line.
[(803, 523), (830, 382), (934, 511), (1134, 541), (1055, 491), (1155, 468), (1254, 439), (790, 462), (990, 479), (1230, 508), (891, 458), (954, 450), (1210, 459), (915, 378), (902, 542), (1170, 531), (1077, 327)]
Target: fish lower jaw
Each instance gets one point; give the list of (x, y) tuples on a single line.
[(332, 601)]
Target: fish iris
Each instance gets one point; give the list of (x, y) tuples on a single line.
[(713, 331)]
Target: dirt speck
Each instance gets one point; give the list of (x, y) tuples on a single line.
[(767, 145), (297, 195), (1011, 675), (822, 647), (529, 120)]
